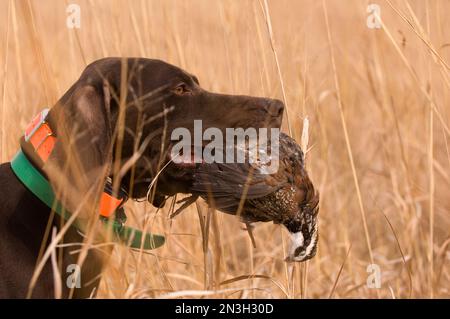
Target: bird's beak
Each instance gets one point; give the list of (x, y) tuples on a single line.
[(289, 259)]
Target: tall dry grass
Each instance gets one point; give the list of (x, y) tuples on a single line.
[(377, 101)]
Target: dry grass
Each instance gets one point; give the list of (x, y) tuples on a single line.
[(377, 101)]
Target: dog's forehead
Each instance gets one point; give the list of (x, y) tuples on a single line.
[(167, 72), (186, 77)]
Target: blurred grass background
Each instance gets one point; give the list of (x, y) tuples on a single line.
[(378, 102)]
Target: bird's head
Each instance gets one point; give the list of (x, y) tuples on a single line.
[(303, 228)]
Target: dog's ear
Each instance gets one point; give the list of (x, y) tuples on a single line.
[(81, 157)]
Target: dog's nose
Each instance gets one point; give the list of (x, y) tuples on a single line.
[(275, 107)]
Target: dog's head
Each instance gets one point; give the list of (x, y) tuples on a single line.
[(118, 119)]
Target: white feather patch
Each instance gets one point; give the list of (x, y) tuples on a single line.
[(313, 242), (297, 240)]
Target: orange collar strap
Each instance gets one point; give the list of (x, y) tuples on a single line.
[(40, 135)]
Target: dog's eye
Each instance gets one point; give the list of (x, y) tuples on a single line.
[(181, 89)]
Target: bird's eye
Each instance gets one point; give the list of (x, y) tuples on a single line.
[(181, 89)]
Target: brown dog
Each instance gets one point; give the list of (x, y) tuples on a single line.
[(114, 121)]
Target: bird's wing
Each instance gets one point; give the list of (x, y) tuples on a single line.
[(231, 181)]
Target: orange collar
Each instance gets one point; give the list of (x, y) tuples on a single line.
[(42, 139)]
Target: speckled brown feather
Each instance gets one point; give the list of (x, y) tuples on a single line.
[(276, 197), (286, 197)]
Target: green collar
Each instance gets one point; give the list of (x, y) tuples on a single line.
[(41, 188)]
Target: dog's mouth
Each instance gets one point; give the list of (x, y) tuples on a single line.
[(192, 156), (185, 159)]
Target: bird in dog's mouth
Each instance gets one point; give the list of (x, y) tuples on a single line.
[(285, 197)]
